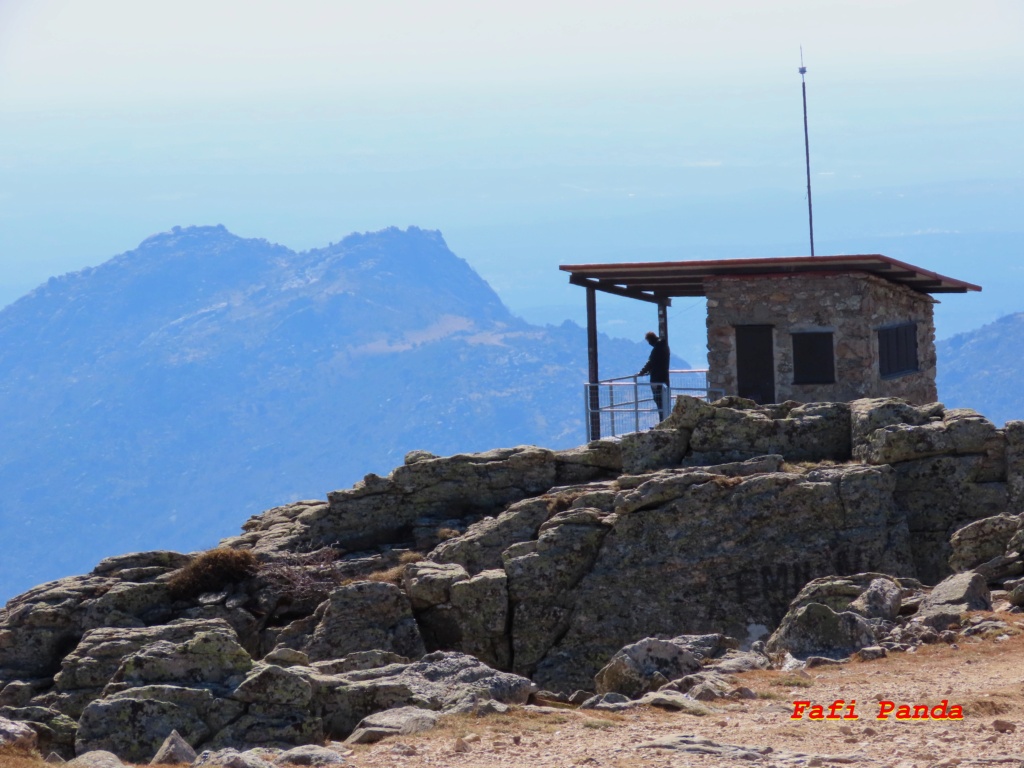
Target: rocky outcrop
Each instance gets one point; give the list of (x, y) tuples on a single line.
[(55, 731), (668, 563), (175, 750), (457, 580), (645, 666), (439, 682), (167, 686), (210, 692), (392, 722), (953, 597), (16, 735), (813, 432), (982, 541), (96, 759), (463, 613), (951, 469), (954, 432), (91, 666), (871, 595), (425, 489), (868, 615), (816, 630), (362, 616), (40, 626)]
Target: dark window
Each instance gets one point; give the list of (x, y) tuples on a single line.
[(897, 350), (812, 358)]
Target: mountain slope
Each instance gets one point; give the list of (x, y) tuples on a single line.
[(983, 369), (159, 399)]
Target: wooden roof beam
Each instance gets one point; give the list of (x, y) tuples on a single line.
[(610, 287)]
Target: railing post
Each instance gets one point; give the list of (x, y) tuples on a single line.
[(636, 405), (611, 406), (586, 408)]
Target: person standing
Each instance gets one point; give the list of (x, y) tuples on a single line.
[(657, 368)]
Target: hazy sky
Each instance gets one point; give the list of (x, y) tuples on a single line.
[(529, 133), (126, 54)]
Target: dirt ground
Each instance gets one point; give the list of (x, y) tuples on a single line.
[(985, 677)]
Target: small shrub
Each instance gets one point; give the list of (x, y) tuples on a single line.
[(212, 571), (304, 577), (411, 557), (443, 534)]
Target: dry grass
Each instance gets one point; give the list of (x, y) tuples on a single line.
[(11, 760), (391, 575), (13, 757), (211, 571), (559, 503), (412, 557)]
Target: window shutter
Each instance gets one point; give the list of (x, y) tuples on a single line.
[(813, 361), (897, 350)]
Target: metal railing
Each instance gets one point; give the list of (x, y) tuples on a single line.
[(626, 404)]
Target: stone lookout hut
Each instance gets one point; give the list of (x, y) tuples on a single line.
[(808, 328)]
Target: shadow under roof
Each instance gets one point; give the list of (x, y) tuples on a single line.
[(658, 281)]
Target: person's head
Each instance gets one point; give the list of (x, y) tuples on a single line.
[(652, 338)]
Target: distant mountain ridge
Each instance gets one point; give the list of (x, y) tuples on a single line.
[(159, 399), (984, 369)]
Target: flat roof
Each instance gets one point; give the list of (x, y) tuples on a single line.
[(657, 281)]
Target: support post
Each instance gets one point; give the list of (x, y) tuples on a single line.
[(593, 393), (666, 391)]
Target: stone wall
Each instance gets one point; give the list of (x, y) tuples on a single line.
[(852, 306)]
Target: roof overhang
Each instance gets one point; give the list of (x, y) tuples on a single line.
[(659, 281)]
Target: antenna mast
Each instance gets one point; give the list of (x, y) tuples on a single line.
[(807, 149)]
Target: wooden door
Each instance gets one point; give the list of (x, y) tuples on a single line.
[(755, 362)]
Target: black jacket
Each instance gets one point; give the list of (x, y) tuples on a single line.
[(657, 363)]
